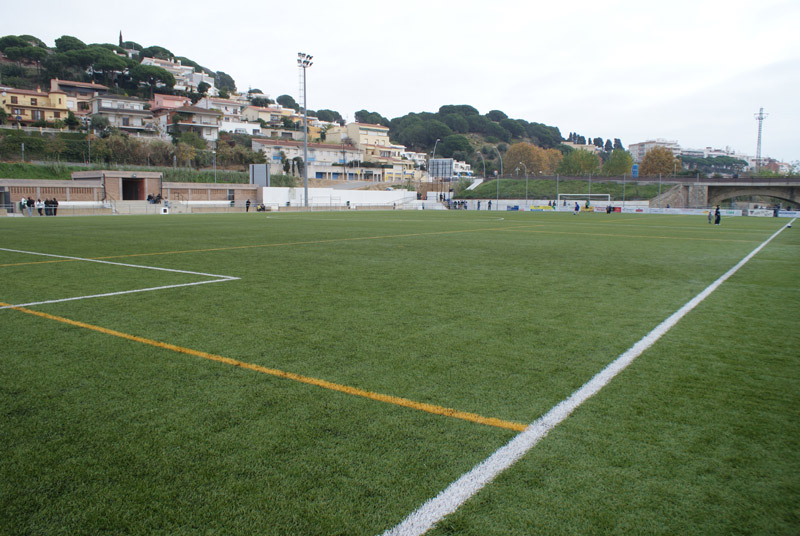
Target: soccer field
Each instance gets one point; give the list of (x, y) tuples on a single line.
[(330, 373)]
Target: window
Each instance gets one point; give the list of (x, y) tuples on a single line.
[(56, 115), (34, 102), (14, 100), (37, 115), (126, 121)]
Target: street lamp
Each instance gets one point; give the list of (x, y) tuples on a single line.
[(484, 164), (304, 62), (526, 182), (433, 157), (497, 184), (497, 178)]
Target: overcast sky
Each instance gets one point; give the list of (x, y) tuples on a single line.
[(693, 71)]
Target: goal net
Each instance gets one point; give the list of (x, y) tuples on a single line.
[(583, 199)]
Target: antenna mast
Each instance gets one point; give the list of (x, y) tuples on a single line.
[(760, 116)]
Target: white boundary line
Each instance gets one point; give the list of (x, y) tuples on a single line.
[(457, 493), (219, 278)]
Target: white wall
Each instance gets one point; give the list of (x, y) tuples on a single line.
[(334, 197)]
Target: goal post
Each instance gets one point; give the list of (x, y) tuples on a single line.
[(583, 199)]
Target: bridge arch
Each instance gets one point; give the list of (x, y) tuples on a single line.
[(718, 194)]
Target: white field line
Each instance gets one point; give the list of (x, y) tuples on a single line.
[(218, 278), (457, 493)]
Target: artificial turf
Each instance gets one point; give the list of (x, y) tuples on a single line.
[(498, 314)]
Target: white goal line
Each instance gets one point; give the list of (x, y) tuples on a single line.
[(217, 278)]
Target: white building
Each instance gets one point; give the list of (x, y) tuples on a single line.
[(727, 151), (638, 150), (233, 120), (318, 153), (186, 79), (325, 160), (420, 159)]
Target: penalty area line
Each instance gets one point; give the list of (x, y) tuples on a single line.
[(456, 494), (120, 293), (140, 266), (218, 279)]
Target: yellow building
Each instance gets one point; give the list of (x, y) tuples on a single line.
[(360, 134), (256, 113), (26, 106)]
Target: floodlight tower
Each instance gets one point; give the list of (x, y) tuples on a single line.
[(760, 116), (304, 62)]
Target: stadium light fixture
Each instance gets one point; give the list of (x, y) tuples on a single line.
[(304, 62)]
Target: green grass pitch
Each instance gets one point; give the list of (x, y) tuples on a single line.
[(498, 315)]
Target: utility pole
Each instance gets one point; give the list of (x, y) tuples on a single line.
[(760, 116)]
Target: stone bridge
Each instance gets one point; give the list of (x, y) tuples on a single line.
[(694, 193)]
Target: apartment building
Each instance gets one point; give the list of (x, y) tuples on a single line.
[(26, 106), (325, 160), (360, 135), (204, 123), (169, 101), (79, 94), (233, 119), (128, 114), (638, 150), (318, 153)]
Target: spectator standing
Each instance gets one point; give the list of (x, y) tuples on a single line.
[(39, 206)]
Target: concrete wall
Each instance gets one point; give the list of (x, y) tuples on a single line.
[(333, 197)]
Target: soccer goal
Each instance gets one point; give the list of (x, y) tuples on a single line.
[(583, 199)]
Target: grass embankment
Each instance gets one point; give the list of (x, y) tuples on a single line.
[(549, 189)]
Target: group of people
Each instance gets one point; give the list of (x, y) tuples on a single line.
[(154, 199), (48, 207), (714, 216)]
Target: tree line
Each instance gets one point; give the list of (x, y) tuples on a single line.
[(187, 149), (33, 63)]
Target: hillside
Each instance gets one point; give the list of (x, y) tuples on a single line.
[(456, 131)]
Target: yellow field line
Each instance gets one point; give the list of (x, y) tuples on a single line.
[(397, 401)]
